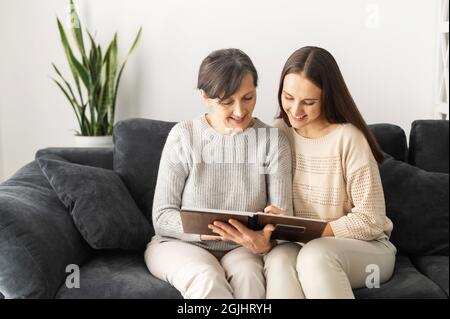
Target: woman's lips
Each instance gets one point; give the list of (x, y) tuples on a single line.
[(298, 118), (238, 120)]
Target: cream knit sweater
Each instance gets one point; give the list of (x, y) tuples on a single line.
[(336, 179)]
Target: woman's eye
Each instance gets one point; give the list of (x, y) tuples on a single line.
[(309, 103), (288, 98), (248, 98), (227, 103)]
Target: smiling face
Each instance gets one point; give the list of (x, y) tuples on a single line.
[(235, 112), (301, 100)]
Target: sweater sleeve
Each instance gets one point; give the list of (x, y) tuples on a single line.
[(173, 172), (367, 218), (279, 176)]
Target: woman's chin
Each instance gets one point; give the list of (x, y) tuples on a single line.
[(240, 125), (298, 123)]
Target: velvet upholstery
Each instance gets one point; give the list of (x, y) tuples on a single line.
[(392, 140), (138, 145), (99, 203), (428, 145), (38, 237), (118, 275), (417, 203)]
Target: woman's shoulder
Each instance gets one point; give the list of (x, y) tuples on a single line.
[(351, 134), (356, 148), (182, 130), (280, 123), (285, 131)]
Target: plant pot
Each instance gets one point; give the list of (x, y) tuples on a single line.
[(94, 141)]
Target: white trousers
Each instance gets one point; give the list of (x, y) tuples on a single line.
[(327, 267), (198, 274)]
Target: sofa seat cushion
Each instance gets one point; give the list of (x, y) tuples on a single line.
[(435, 268), (406, 283), (118, 275)]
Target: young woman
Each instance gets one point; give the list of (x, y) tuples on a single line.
[(220, 161), (335, 178)]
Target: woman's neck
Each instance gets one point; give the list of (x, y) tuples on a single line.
[(316, 129)]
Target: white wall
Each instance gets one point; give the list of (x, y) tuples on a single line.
[(388, 62)]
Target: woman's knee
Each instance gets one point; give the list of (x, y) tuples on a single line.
[(316, 255), (208, 281), (281, 256), (244, 268)]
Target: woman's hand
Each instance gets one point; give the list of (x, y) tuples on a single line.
[(274, 210), (257, 241), (327, 231)]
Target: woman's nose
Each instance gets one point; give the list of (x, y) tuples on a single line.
[(297, 110), (239, 110)]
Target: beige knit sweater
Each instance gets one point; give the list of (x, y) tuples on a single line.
[(336, 179)]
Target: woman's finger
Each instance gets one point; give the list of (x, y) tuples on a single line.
[(274, 210), (210, 237), (218, 231), (229, 229), (240, 227)]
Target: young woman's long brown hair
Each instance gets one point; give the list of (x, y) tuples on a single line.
[(319, 66)]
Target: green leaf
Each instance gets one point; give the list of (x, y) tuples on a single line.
[(75, 27), (67, 85), (70, 100), (111, 74), (114, 96), (93, 57), (78, 70), (136, 42)]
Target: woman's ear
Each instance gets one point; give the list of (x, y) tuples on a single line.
[(203, 95)]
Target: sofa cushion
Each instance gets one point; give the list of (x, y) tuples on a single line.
[(138, 145), (118, 274), (418, 205), (428, 145), (392, 140), (101, 207), (406, 283), (435, 268), (38, 238)]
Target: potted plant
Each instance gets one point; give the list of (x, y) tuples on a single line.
[(96, 78)]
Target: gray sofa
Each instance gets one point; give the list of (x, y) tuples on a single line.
[(38, 237)]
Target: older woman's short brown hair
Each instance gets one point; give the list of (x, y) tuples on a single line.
[(222, 71)]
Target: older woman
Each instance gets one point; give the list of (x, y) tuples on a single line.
[(225, 159)]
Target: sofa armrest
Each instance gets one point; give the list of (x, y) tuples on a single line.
[(38, 238), (95, 156)]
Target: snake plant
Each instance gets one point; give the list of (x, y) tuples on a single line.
[(96, 78)]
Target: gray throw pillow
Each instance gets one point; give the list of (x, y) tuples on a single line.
[(101, 207), (417, 203)]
